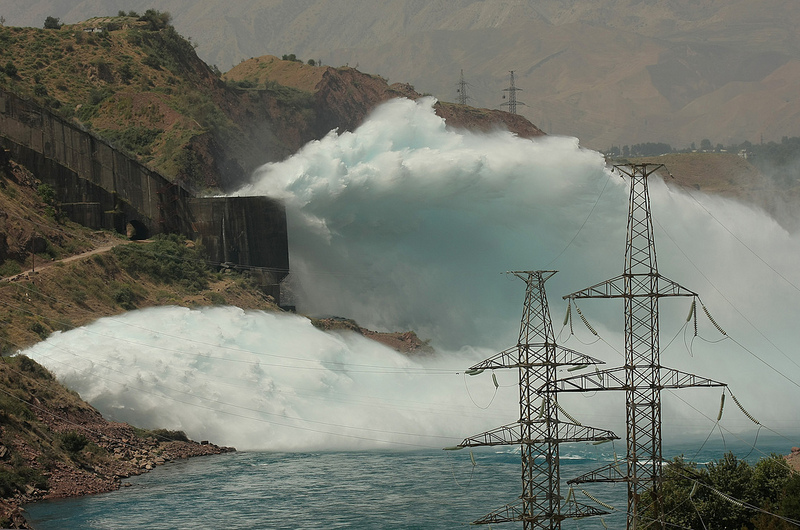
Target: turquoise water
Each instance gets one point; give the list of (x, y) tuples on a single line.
[(375, 490)]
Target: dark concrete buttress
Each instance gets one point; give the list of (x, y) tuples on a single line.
[(101, 187)]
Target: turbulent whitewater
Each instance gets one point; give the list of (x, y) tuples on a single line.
[(406, 224)]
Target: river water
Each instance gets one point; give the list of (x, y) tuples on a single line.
[(375, 490)]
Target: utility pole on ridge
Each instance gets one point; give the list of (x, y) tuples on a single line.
[(539, 431), (512, 96), (463, 98)]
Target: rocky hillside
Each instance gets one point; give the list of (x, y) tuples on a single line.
[(54, 445), (611, 72), (136, 82), (342, 97)]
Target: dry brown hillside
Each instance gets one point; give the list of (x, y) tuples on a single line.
[(344, 96), (731, 176), (611, 72)]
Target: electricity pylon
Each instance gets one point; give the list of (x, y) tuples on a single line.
[(512, 96), (538, 433), (463, 98), (642, 378)]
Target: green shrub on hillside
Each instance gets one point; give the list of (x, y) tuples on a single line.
[(9, 268), (175, 436), (31, 367), (10, 69), (73, 442), (124, 296), (52, 23), (14, 478), (136, 140), (166, 260), (156, 20)]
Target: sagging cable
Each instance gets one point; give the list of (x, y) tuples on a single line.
[(570, 418), (749, 416), (721, 406), (585, 321), (598, 501), (705, 309)]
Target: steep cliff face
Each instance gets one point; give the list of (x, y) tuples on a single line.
[(299, 102)]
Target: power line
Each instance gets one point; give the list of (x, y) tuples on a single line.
[(762, 260), (539, 431), (642, 377)]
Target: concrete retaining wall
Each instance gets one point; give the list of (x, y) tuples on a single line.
[(101, 187), (244, 232)]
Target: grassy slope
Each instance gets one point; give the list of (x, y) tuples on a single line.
[(145, 90)]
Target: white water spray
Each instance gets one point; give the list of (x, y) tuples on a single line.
[(405, 224), (259, 380)]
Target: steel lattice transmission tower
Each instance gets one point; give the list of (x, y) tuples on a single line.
[(642, 378), (539, 430), (512, 96), (463, 98)]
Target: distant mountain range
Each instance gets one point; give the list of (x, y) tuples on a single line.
[(610, 72)]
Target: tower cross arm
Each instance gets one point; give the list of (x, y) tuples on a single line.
[(508, 358), (537, 355), (571, 432), (540, 432), (505, 435), (507, 514), (627, 285), (615, 379), (609, 473)]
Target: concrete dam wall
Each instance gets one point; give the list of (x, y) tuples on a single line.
[(101, 187)]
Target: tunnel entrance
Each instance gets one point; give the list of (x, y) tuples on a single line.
[(136, 230)]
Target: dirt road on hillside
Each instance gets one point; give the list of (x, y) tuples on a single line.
[(26, 274)]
